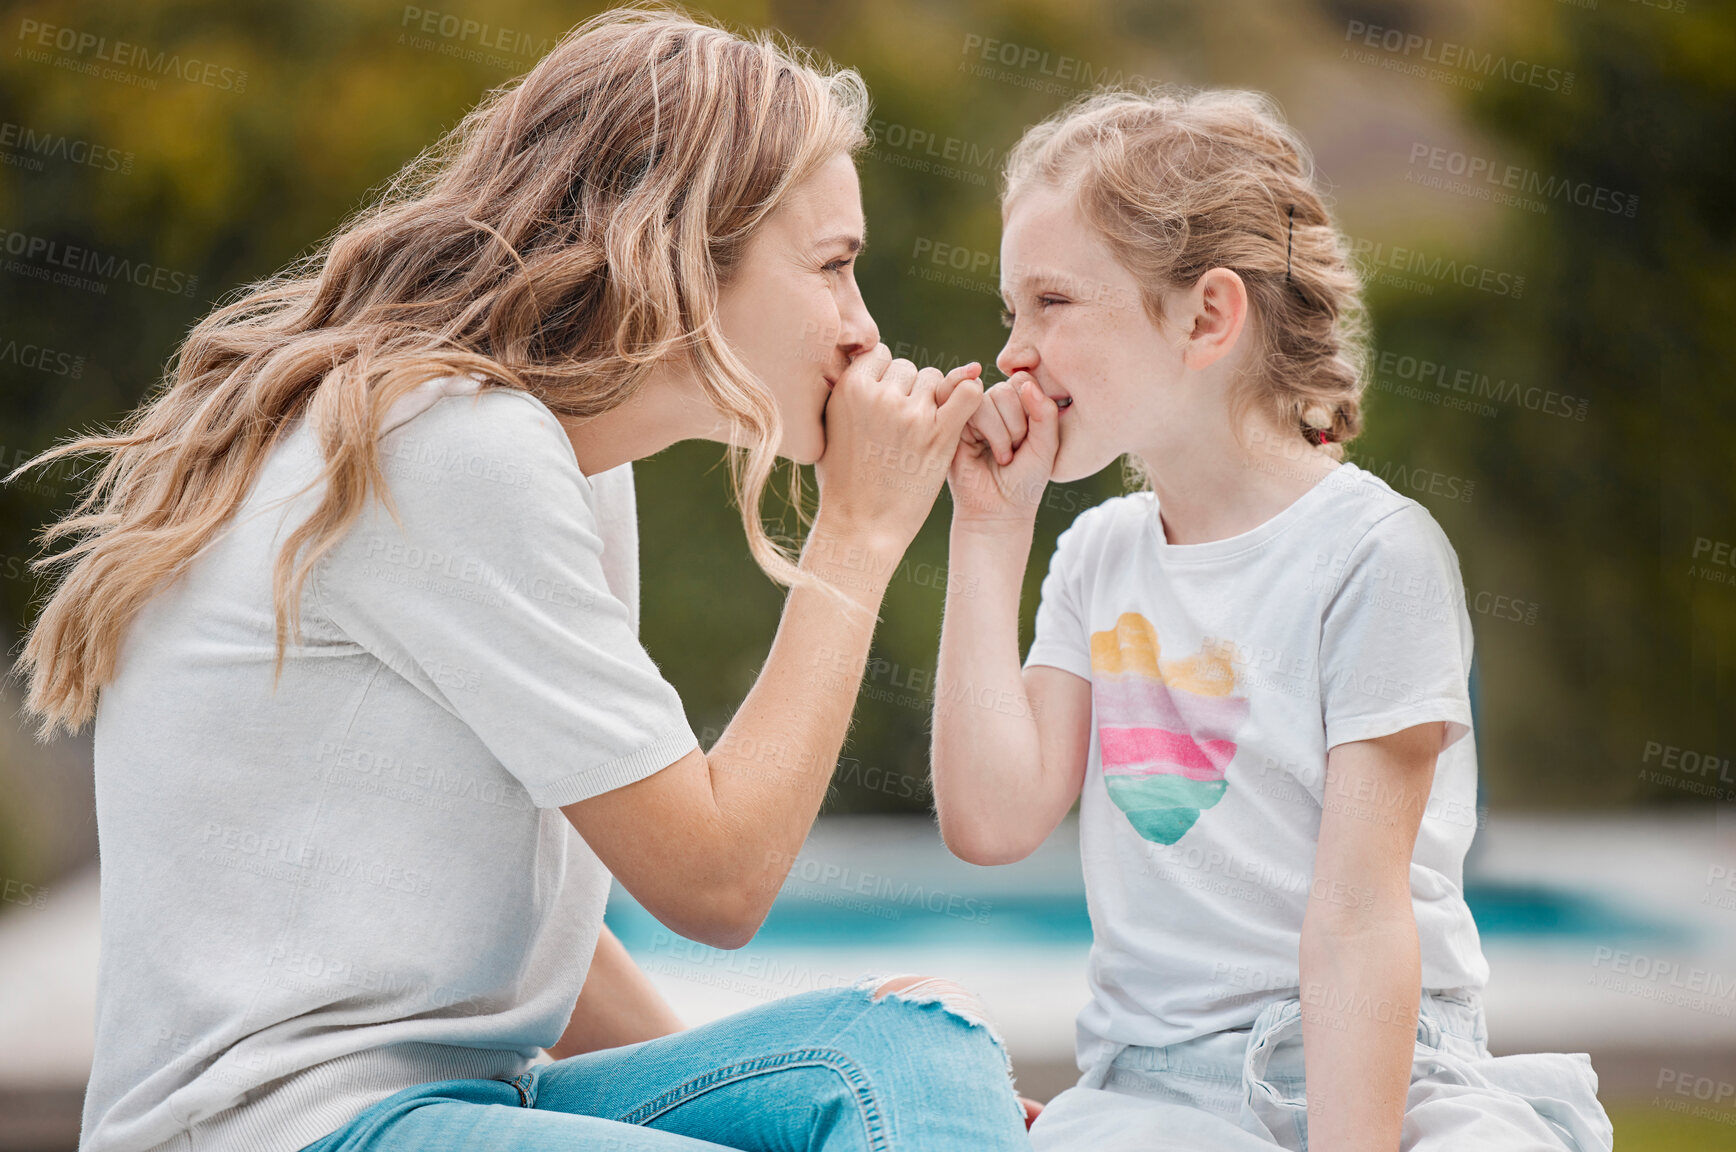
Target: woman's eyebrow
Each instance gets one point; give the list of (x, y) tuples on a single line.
[(851, 241)]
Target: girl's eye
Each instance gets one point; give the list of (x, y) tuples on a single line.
[(1006, 318)]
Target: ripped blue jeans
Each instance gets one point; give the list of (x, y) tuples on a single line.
[(838, 1069)]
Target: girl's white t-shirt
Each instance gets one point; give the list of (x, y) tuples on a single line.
[(1221, 673), (320, 892)]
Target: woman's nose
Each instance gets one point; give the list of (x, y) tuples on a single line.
[(857, 332)]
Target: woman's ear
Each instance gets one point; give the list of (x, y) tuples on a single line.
[(1218, 304)]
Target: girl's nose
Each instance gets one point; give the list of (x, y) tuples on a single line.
[(1015, 356)]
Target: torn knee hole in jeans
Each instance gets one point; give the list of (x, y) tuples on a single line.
[(918, 989)]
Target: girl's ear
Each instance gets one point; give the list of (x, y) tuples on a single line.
[(1219, 306)]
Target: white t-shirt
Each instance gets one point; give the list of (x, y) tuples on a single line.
[(1220, 675), (316, 896)]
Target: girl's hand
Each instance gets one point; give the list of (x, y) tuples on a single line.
[(1005, 455), (890, 432)]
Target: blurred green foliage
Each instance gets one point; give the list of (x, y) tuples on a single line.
[(1612, 523), (1590, 522)]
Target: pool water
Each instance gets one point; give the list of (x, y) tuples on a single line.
[(803, 919)]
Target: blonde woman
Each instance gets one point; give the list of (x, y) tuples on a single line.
[(352, 603)]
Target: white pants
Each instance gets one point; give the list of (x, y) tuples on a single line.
[(1243, 1091)]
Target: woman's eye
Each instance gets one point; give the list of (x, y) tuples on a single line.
[(1049, 300), (839, 265)]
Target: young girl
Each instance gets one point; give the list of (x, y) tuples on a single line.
[(1252, 673)]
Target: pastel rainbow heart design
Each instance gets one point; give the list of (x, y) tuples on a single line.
[(1166, 729)]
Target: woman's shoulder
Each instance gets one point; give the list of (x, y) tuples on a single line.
[(462, 412), (465, 443)]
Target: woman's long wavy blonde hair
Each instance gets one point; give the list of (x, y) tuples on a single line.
[(568, 236)]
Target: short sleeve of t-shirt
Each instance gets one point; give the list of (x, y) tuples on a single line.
[(1395, 646), (1061, 638), (491, 597)]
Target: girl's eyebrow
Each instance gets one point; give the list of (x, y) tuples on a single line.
[(1036, 278)]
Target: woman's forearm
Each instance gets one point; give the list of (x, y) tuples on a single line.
[(618, 1005), (1361, 981), (772, 765), (737, 814)]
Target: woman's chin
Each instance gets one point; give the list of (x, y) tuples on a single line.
[(805, 448)]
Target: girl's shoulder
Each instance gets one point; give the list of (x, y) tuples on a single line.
[(1351, 510), (1117, 514), (1366, 508), (1102, 526), (1371, 534)]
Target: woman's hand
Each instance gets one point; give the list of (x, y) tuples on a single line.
[(1006, 454), (889, 437)]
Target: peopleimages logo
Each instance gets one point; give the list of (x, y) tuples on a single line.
[(1393, 264), (119, 60), (71, 264), (1513, 184), (24, 146), (1393, 370), (40, 358), (1414, 53)]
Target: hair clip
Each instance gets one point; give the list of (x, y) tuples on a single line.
[(1290, 244)]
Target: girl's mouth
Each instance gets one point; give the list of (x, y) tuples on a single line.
[(1064, 402)]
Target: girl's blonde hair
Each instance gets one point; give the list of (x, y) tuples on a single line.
[(566, 238), (1180, 182)]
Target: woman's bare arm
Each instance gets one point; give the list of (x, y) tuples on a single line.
[(705, 843), (618, 1005)]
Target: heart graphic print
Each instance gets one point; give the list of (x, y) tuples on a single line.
[(1166, 729)]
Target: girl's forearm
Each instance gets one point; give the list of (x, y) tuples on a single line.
[(985, 753), (1361, 982)]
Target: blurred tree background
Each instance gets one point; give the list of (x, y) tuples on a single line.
[(1575, 436)]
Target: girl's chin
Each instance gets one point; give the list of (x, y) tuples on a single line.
[(1070, 470), (1062, 472)]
